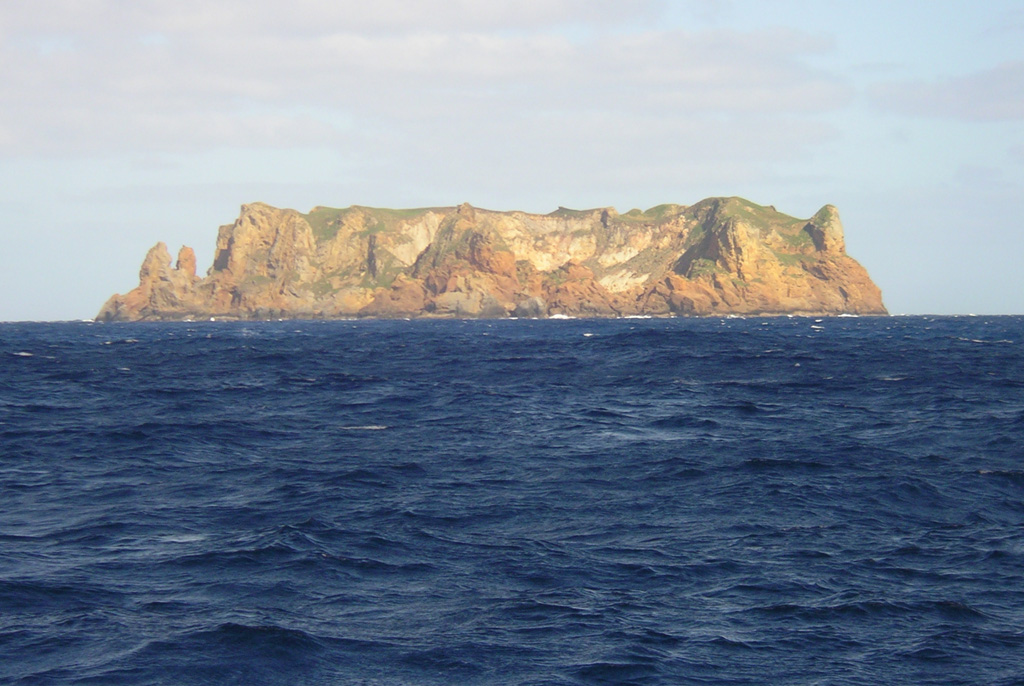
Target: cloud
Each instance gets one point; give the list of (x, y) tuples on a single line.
[(102, 75), (995, 94), (314, 17)]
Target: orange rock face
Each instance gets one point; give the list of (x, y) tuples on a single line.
[(719, 256)]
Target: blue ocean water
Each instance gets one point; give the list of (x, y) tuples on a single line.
[(664, 501)]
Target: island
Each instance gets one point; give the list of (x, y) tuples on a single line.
[(720, 256)]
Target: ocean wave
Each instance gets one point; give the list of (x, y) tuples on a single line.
[(665, 501)]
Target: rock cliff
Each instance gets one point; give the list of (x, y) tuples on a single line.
[(719, 256)]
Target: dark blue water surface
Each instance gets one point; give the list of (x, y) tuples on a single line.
[(737, 501)]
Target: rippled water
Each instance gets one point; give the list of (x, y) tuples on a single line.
[(738, 501)]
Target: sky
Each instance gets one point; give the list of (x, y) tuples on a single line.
[(127, 122)]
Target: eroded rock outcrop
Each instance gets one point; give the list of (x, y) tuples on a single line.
[(719, 256)]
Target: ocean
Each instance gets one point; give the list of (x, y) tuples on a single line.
[(632, 501)]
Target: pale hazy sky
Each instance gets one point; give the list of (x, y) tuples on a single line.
[(126, 122)]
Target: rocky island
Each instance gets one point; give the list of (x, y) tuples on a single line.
[(719, 256)]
